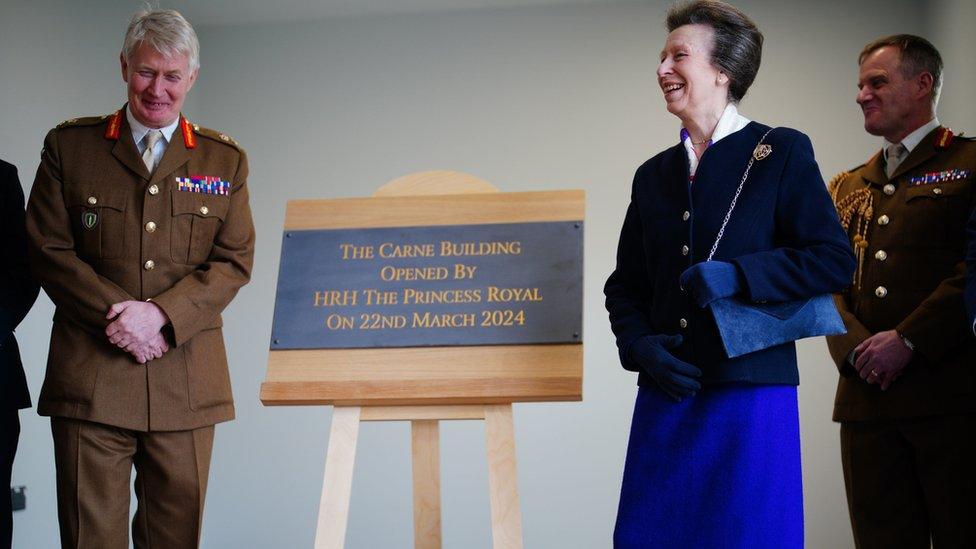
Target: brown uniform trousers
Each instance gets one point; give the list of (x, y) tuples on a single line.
[(103, 230), (909, 452)]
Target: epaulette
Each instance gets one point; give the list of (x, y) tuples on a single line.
[(215, 135), (83, 121), (833, 187)]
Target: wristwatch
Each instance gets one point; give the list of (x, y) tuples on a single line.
[(909, 344)]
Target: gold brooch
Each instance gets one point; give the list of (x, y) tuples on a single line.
[(762, 151)]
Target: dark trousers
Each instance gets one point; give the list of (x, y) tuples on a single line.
[(94, 464), (911, 482), (9, 433)]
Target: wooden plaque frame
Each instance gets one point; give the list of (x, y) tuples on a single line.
[(429, 375)]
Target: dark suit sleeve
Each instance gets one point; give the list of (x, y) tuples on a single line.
[(195, 302), (628, 288), (812, 256), (71, 283), (18, 290), (971, 272)]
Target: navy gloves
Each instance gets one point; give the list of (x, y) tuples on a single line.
[(676, 378), (711, 280)]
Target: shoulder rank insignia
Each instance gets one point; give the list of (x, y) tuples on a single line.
[(203, 184), (215, 135), (939, 177)]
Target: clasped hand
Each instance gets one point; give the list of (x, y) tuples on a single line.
[(882, 358), (711, 280), (676, 378), (136, 329)]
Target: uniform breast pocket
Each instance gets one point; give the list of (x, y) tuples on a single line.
[(98, 223), (939, 210), (196, 219)]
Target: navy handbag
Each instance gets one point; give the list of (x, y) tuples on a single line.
[(746, 327)]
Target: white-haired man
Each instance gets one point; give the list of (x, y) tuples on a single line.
[(141, 234)]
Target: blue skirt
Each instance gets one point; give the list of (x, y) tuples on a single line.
[(717, 470)]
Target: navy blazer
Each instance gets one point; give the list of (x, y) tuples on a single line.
[(784, 237), (970, 295), (18, 289)]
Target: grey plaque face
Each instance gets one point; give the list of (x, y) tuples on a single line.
[(504, 284)]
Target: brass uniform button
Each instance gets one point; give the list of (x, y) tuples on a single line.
[(686, 216), (888, 189), (204, 210), (683, 323), (937, 190), (685, 250), (881, 255), (151, 227), (149, 265), (881, 291), (92, 200), (883, 220), (154, 190)]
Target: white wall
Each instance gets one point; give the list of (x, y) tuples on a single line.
[(529, 99)]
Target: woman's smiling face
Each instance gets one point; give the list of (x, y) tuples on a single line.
[(690, 82)]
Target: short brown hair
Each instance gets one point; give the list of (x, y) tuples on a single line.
[(737, 50), (918, 55)]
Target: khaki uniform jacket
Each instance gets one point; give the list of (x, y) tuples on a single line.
[(911, 241), (102, 230)]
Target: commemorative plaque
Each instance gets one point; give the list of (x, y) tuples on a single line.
[(491, 284)]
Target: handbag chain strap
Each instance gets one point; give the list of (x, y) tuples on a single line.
[(735, 198)]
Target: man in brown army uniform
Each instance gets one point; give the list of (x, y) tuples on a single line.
[(141, 234), (906, 399)]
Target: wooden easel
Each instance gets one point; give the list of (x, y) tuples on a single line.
[(386, 386), (506, 518)]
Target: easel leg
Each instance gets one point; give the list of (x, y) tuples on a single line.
[(330, 532), (426, 484), (506, 517)]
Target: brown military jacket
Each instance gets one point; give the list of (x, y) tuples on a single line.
[(909, 236), (103, 231)]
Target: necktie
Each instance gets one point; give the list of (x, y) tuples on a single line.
[(147, 155), (893, 157)]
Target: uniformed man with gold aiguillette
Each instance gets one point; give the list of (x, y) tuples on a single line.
[(906, 399), (141, 234)]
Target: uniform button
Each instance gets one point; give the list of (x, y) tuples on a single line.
[(685, 250), (883, 220), (92, 200), (686, 216), (888, 189), (151, 227), (149, 265), (683, 323), (154, 190), (937, 190), (881, 291), (881, 255), (204, 210)]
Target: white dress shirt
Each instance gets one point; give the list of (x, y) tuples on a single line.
[(730, 122), (913, 139)]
